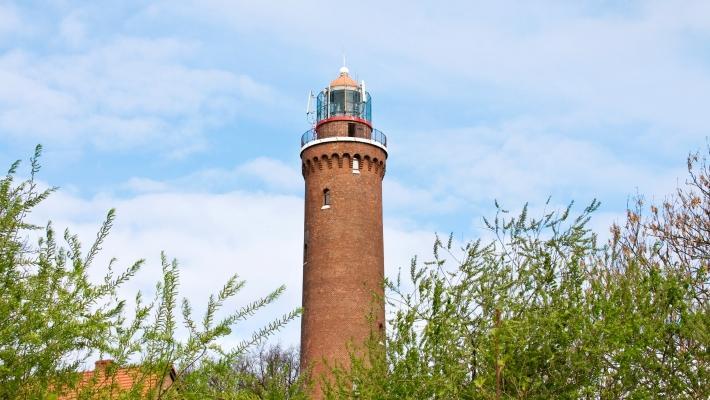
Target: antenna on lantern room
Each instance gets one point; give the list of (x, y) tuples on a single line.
[(310, 113)]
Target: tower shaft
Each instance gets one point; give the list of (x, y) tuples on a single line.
[(343, 267), (343, 164)]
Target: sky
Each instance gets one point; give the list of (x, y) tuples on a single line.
[(186, 117)]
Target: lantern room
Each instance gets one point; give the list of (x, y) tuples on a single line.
[(343, 110), (344, 97)]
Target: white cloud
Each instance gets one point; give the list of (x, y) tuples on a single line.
[(635, 62), (271, 174), (419, 199), (257, 235), (143, 185), (125, 93), (212, 236), (516, 164)]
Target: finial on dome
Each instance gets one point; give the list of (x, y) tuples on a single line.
[(344, 78)]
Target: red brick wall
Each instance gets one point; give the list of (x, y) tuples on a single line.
[(340, 128), (343, 266)]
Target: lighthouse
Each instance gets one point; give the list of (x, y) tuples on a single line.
[(343, 162)]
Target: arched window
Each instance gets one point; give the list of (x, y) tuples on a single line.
[(356, 165), (326, 198)]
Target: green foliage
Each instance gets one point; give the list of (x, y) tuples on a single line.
[(196, 361), (539, 311), (53, 318), (542, 311)]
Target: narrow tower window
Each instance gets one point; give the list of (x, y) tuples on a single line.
[(356, 165), (326, 198), (351, 129)]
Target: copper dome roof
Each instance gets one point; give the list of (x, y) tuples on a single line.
[(344, 79)]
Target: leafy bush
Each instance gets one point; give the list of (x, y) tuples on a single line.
[(542, 311), (53, 318)]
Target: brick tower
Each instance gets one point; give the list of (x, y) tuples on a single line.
[(343, 164)]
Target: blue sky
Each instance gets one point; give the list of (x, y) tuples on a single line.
[(186, 116)]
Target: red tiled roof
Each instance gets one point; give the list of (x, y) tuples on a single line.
[(104, 378)]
